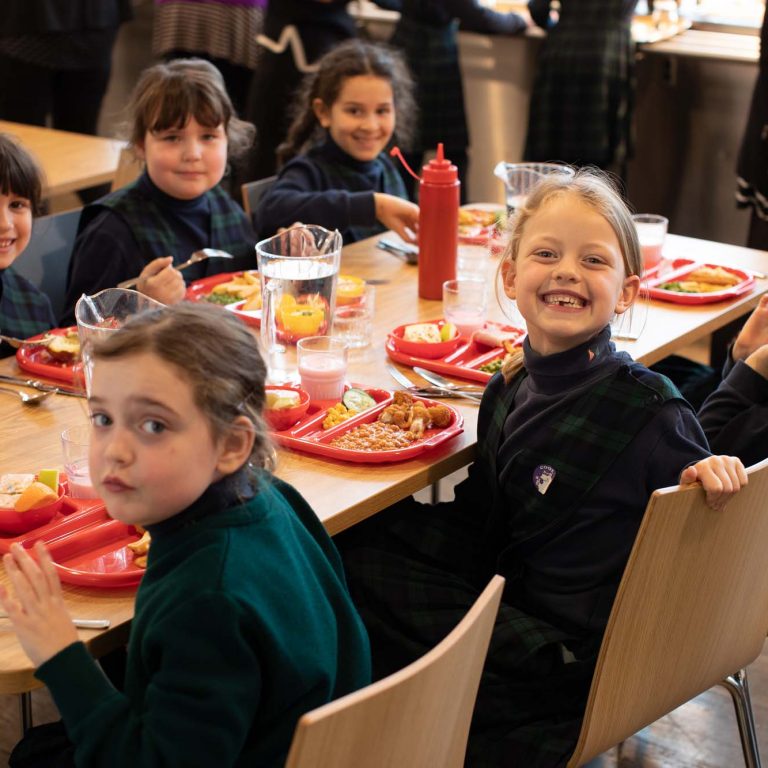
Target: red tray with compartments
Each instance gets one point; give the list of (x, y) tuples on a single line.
[(199, 289), (308, 435), (463, 362), (679, 269), (37, 361)]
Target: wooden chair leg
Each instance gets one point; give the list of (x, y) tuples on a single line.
[(25, 711), (737, 686), (435, 492)]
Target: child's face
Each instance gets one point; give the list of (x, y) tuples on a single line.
[(15, 227), (362, 119), (568, 278), (152, 449), (186, 162)]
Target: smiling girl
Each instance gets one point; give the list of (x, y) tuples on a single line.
[(24, 310), (573, 437), (184, 129), (344, 180), (242, 620)]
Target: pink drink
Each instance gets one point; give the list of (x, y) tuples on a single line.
[(322, 375), (79, 480), (466, 320), (651, 255)]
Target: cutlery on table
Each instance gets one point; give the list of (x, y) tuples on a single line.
[(201, 255), (414, 389), (79, 623), (16, 343), (28, 399), (441, 381), (58, 389), (405, 251)]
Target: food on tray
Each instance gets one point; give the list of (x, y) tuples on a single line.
[(14, 484), (448, 331), (428, 333), (702, 280), (140, 548), (49, 477), (353, 402), (302, 317), (495, 338), (64, 348), (375, 436), (35, 495), (493, 367), (246, 286), (336, 414), (282, 398), (472, 218), (23, 492)]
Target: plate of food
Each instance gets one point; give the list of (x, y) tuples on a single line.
[(684, 281), (478, 226), (238, 292), (372, 426), (477, 359), (53, 355)]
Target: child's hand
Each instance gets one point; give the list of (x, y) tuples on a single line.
[(720, 476), (754, 333), (401, 216), (37, 610), (160, 281)]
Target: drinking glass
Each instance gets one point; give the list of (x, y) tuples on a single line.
[(651, 231), (520, 178), (465, 303), (353, 321), (103, 313), (75, 444), (299, 270), (323, 366)]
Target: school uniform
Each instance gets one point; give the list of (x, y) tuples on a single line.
[(568, 454), (121, 233), (243, 623), (326, 186), (735, 415), (582, 93), (24, 309)]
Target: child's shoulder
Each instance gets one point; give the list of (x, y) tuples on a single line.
[(657, 382)]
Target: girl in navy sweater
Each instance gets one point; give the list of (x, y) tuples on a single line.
[(337, 173)]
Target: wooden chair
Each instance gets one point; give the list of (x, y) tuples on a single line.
[(253, 191), (45, 260), (129, 167), (418, 717), (691, 612)]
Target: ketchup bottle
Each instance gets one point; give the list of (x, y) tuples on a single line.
[(438, 224)]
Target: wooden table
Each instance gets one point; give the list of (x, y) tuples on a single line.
[(341, 494), (70, 161)]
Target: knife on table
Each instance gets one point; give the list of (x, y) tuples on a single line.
[(440, 381), (415, 389), (42, 386)]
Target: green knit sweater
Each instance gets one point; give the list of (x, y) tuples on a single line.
[(243, 623)]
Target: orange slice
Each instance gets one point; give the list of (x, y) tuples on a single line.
[(35, 495)]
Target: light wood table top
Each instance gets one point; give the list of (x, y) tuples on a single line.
[(341, 494), (70, 161)]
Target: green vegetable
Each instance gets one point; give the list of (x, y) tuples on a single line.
[(357, 400), (673, 286), (493, 366), (222, 298)]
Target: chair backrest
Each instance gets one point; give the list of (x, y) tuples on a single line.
[(253, 191), (691, 609), (417, 717), (45, 260), (129, 167)]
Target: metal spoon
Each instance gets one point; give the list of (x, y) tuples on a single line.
[(16, 343), (27, 399), (201, 255)]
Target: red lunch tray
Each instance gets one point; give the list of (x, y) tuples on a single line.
[(88, 547), (37, 361), (309, 436), (680, 268), (199, 289), (464, 361)]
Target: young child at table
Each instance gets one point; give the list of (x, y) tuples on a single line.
[(338, 174), (243, 620), (24, 309), (184, 128), (573, 437), (735, 415)]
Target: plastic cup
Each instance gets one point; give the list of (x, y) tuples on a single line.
[(354, 322), (651, 231), (465, 303), (323, 366), (75, 444)]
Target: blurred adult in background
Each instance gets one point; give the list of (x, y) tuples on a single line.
[(427, 33), (55, 60), (752, 165), (583, 91), (297, 33), (221, 31)]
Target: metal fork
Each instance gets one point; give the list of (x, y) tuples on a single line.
[(201, 255)]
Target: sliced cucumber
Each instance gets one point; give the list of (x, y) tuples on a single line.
[(357, 400)]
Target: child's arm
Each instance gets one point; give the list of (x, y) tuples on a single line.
[(160, 281), (720, 476), (401, 216), (40, 618)]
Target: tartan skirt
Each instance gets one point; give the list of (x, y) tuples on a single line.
[(413, 575)]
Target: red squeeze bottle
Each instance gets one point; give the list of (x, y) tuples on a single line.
[(438, 224)]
